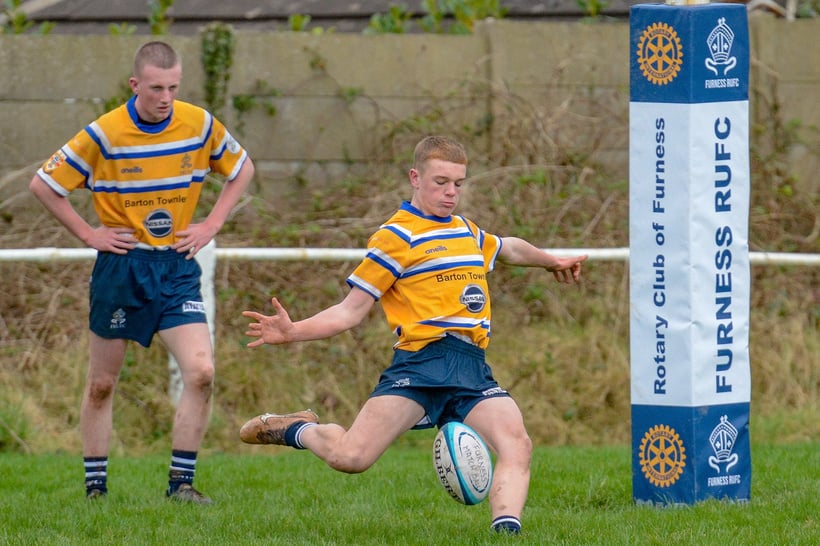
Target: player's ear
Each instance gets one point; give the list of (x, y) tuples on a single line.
[(415, 178), (133, 84)]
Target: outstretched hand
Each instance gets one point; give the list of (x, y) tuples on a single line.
[(568, 270), (271, 329)]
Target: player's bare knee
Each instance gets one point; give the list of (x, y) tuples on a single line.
[(517, 450), (201, 379), (100, 390), (527, 448), (523, 446), (526, 445), (349, 463)]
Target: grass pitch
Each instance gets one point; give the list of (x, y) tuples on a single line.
[(579, 495)]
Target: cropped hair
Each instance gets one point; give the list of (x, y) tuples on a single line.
[(438, 147), (157, 54)]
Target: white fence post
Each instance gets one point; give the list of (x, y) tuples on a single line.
[(206, 258)]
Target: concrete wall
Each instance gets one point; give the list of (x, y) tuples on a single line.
[(341, 98)]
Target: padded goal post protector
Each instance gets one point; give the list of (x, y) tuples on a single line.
[(689, 257)]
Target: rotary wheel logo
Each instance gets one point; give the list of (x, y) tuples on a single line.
[(662, 456), (660, 53)]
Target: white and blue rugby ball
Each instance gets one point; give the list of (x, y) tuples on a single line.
[(463, 463)]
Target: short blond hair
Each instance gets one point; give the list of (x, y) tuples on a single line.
[(438, 147), (157, 54)]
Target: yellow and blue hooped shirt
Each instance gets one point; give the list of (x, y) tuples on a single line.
[(430, 275), (143, 176)]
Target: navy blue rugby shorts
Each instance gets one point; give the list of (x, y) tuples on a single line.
[(135, 295), (447, 378)]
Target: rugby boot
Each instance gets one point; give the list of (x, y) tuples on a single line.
[(270, 428), (186, 493)]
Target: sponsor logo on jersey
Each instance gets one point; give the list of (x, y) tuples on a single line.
[(473, 298), (159, 223)]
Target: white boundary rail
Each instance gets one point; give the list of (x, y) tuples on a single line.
[(208, 256), (48, 254)]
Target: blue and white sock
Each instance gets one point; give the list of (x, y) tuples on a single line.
[(506, 524), (182, 469), (293, 435), (96, 474)]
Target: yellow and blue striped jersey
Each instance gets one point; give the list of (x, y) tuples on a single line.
[(145, 176), (430, 275)]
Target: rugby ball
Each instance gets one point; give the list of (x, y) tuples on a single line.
[(462, 463)]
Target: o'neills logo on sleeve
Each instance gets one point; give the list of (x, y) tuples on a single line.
[(159, 223)]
